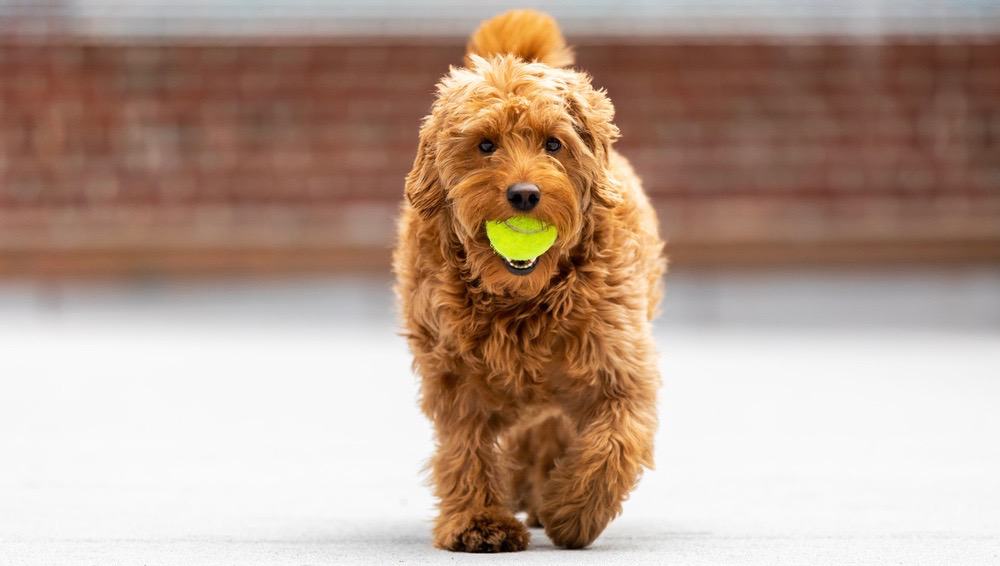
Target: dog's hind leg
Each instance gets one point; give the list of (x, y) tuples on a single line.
[(532, 449)]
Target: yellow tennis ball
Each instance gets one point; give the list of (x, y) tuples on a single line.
[(520, 238)]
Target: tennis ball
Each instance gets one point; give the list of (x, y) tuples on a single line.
[(520, 238)]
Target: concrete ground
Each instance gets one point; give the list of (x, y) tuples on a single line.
[(806, 419)]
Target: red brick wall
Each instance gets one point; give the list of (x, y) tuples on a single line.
[(291, 155)]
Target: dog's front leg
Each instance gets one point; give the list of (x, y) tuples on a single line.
[(473, 511), (616, 426)]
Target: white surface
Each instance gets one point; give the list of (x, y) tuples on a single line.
[(156, 436)]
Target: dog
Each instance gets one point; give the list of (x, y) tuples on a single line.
[(540, 379)]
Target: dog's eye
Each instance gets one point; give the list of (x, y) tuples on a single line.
[(552, 145), (486, 146)]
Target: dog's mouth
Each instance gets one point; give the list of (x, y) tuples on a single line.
[(519, 266)]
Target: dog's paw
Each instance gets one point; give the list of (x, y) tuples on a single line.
[(573, 527), (483, 532), (533, 521)]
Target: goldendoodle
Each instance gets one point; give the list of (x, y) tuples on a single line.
[(539, 373)]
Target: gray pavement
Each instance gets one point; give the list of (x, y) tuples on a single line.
[(277, 423)]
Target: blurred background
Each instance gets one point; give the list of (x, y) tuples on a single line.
[(197, 207), (143, 138)]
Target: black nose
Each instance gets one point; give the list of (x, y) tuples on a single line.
[(523, 196)]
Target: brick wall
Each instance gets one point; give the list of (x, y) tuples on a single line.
[(289, 155)]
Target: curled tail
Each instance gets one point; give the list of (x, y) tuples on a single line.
[(528, 34)]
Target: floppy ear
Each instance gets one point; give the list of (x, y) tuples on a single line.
[(592, 114), (423, 185)]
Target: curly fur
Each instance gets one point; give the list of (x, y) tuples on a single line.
[(541, 387)]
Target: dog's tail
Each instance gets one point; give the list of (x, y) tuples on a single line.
[(528, 34)]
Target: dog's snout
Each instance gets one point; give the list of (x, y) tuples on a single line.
[(523, 196)]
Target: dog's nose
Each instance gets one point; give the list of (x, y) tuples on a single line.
[(523, 196)]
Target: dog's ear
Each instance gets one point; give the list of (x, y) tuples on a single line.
[(593, 116), (423, 185)]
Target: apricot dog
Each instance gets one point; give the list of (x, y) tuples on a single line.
[(540, 379)]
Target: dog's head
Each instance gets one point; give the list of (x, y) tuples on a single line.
[(507, 137)]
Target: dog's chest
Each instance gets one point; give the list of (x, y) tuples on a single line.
[(524, 358)]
